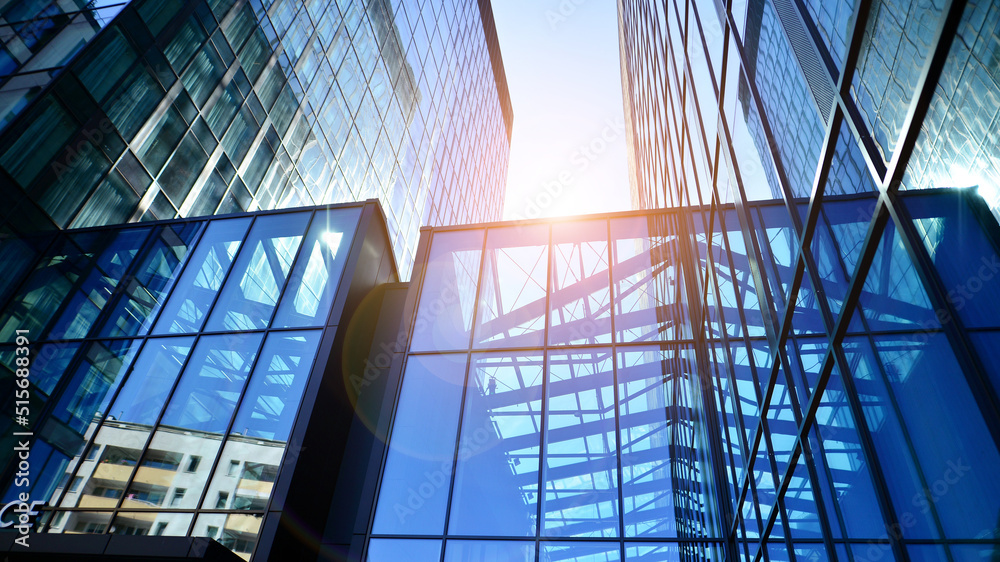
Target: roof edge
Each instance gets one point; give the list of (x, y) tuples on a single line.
[(496, 60)]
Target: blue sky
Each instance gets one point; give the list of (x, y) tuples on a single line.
[(568, 145)]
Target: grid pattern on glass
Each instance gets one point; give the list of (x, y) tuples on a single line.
[(157, 424), (810, 344), (262, 105), (805, 436)]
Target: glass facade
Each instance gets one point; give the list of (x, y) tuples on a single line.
[(169, 363), (116, 112), (664, 385), (842, 158)]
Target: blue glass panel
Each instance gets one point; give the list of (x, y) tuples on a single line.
[(781, 423), (580, 552), (512, 294), (672, 552), (78, 275), (390, 550), (310, 292), (258, 276), (414, 492), (448, 292), (742, 276), (848, 171), (889, 438), (272, 397), (801, 510), (145, 391), (188, 305), (139, 299), (580, 297), (646, 278), (92, 384), (971, 276), (928, 553), (497, 551), (165, 470), (581, 464), (210, 386), (841, 463), (834, 21), (496, 479), (893, 297), (956, 449), (987, 343), (662, 452), (974, 552), (47, 366)]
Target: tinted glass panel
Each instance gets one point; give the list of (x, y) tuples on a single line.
[(313, 284), (252, 288), (448, 292)]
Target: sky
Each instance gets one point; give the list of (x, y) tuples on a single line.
[(567, 153)]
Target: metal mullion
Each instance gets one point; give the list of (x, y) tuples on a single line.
[(612, 255), (543, 414), (803, 447)]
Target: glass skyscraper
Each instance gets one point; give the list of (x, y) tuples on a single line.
[(844, 161), (116, 112)]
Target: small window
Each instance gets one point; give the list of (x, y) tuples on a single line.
[(212, 532), (160, 527), (193, 463), (234, 468), (75, 485), (222, 501), (92, 453), (178, 496)]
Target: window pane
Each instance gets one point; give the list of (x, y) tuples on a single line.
[(185, 311), (272, 397), (646, 279), (448, 292), (244, 479), (497, 551), (141, 297), (93, 383), (581, 296), (253, 286), (413, 495), (237, 532), (314, 283), (664, 460), (155, 524), (390, 550), (212, 382), (512, 293), (581, 551), (162, 473), (945, 222), (955, 448), (145, 392), (581, 461), (496, 479)]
